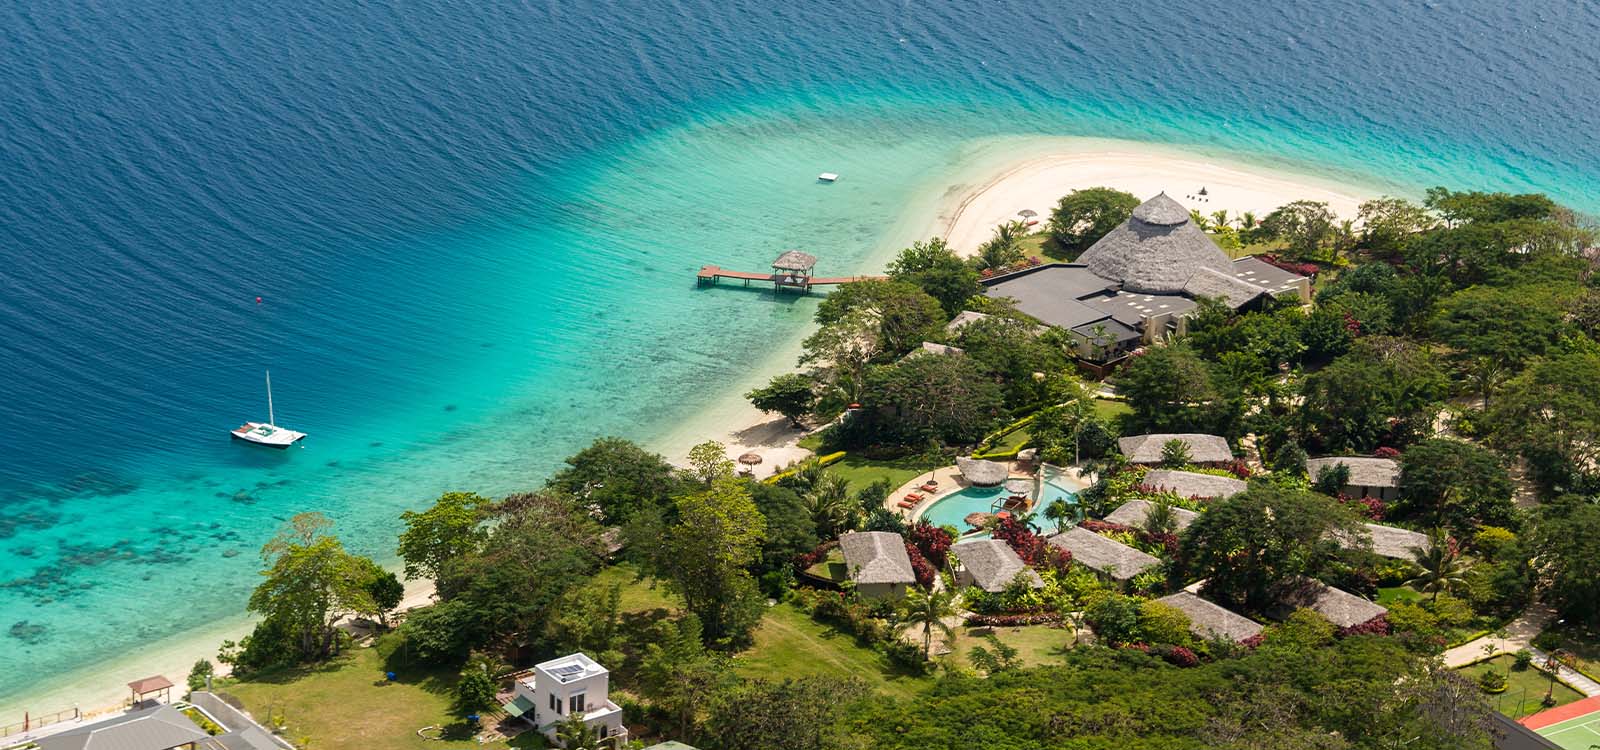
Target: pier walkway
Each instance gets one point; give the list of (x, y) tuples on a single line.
[(800, 282)]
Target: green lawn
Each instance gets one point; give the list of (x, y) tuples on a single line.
[(1035, 644), (348, 705), (861, 472), (1526, 691), (1392, 594), (831, 568), (1583, 645), (790, 644), (1012, 440), (1109, 410)]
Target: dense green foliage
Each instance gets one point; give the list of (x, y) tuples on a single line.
[(1082, 217), (1247, 545)]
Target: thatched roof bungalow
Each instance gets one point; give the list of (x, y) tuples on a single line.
[(877, 562), (1203, 449), (1135, 512), (991, 565), (1108, 557), (1389, 541), (794, 260), (1208, 620), (1369, 477), (1194, 484), (1340, 607)]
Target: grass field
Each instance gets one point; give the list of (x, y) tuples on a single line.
[(1109, 410), (1392, 594), (347, 704), (861, 472), (1035, 644), (790, 644), (1526, 691)]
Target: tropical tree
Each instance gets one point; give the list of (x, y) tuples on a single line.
[(832, 508), (1060, 512), (1456, 485), (575, 734), (447, 530), (1306, 226), (1385, 391), (1550, 415), (1175, 454), (1248, 544), (677, 673), (709, 463), (1082, 217), (793, 714), (930, 610), (789, 394), (936, 269), (1566, 532), (1003, 249), (705, 557), (1443, 569), (1168, 388), (311, 583), (475, 690), (618, 477)]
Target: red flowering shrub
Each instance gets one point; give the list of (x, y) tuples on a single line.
[(1028, 545), (1010, 621), (1371, 507), (919, 565), (1254, 640), (801, 562), (1376, 626), (1180, 656), (1386, 452), (1101, 527), (1238, 468), (931, 541), (1145, 647), (1304, 269)]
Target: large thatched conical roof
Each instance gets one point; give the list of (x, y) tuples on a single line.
[(1156, 250)]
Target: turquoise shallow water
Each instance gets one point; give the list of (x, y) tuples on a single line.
[(474, 229)]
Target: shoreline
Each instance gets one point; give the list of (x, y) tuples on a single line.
[(961, 201)]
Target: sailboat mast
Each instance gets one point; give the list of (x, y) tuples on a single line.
[(271, 419)]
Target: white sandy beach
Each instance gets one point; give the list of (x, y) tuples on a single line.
[(1037, 182), (994, 181)]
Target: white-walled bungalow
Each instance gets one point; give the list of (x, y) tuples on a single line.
[(1208, 620), (991, 565), (572, 684), (1369, 477), (878, 563), (1108, 557), (1135, 512), (1203, 449), (1193, 484)]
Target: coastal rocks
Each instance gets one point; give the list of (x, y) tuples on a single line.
[(28, 632)]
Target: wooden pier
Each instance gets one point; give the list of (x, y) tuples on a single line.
[(714, 274)]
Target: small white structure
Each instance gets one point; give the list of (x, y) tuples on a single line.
[(827, 177), (572, 684)]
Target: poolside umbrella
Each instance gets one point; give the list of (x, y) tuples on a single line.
[(1018, 486), (1027, 213), (1203, 191), (982, 473), (750, 460)]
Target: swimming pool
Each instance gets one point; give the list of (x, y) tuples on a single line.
[(952, 509)]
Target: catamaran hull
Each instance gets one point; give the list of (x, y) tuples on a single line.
[(274, 446)]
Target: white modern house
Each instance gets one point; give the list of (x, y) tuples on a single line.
[(572, 684)]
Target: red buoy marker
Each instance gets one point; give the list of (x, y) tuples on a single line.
[(258, 300)]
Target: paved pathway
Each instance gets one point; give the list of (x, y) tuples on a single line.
[(1518, 635)]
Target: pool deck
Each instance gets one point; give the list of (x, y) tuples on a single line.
[(950, 481)]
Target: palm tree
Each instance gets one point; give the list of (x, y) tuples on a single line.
[(1060, 512), (1247, 220), (1200, 220), (1219, 219), (830, 504), (929, 609), (574, 734), (1441, 563), (1004, 248), (1554, 661)]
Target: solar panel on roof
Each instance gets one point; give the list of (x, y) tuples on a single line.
[(570, 670)]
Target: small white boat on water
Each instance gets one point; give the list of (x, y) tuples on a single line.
[(266, 433), (827, 177)]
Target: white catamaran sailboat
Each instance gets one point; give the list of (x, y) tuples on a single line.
[(267, 433)]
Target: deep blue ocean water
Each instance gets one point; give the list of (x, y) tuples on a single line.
[(472, 226)]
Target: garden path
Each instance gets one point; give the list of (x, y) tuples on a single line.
[(1518, 635)]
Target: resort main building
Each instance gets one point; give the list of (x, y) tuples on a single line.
[(1140, 282)]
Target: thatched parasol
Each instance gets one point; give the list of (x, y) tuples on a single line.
[(982, 473), (1027, 213), (750, 460), (1019, 486)]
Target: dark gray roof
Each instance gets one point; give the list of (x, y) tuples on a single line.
[(1051, 293), (794, 260), (1509, 735), (160, 727), (876, 557), (1194, 484), (1207, 620), (1364, 471), (1131, 308), (1265, 275), (1203, 449), (1108, 556), (993, 564), (1134, 512), (1156, 250), (1110, 328), (1340, 607)]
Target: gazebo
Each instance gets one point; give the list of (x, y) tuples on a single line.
[(982, 473), (157, 684), (793, 269)]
